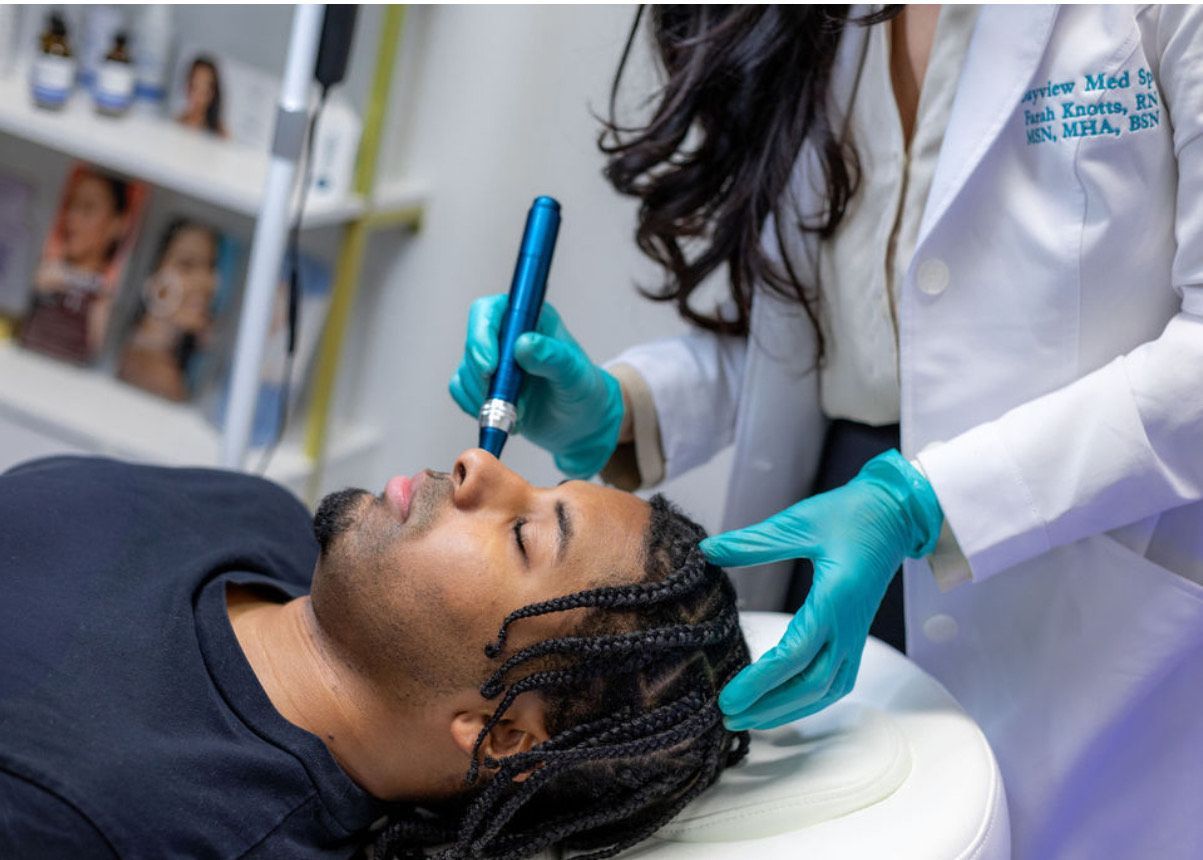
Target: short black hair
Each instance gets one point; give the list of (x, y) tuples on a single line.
[(635, 728)]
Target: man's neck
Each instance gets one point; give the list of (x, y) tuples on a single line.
[(314, 689)]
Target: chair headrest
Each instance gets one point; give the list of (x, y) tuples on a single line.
[(844, 759)]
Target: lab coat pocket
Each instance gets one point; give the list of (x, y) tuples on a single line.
[(1155, 618), (1129, 710), (1109, 625), (1158, 576)]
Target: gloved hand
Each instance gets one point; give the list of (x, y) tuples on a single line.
[(568, 405), (857, 536)]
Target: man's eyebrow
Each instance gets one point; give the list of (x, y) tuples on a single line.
[(566, 530)]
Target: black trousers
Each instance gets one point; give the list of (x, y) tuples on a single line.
[(846, 448)]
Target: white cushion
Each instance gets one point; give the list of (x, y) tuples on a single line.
[(896, 769), (791, 780)]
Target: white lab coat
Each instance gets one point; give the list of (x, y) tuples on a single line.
[(1051, 365)]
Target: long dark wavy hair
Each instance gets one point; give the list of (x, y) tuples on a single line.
[(744, 87), (632, 696), (213, 112)]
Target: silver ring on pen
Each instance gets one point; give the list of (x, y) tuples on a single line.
[(498, 414)]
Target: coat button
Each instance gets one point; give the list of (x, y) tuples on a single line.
[(940, 628), (932, 276)]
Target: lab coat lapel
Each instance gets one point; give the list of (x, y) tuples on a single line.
[(1006, 48)]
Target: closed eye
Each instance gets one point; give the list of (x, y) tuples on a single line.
[(518, 524)]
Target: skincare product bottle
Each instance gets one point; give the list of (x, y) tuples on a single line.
[(113, 90), (152, 55), (94, 38), (53, 71)]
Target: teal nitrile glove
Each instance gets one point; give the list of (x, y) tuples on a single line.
[(857, 536), (568, 405)]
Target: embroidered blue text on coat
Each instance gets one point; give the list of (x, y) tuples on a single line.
[(1097, 105)]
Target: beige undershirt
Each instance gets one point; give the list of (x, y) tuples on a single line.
[(862, 266), (860, 378)]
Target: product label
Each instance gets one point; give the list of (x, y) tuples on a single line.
[(114, 87), (52, 78)]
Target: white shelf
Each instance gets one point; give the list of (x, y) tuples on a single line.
[(86, 409), (395, 195), (221, 172)]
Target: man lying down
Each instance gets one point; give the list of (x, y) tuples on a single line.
[(186, 672)]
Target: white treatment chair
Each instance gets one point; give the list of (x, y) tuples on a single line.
[(894, 770)]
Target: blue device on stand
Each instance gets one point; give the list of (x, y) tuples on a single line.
[(527, 289)]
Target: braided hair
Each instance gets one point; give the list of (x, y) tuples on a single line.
[(635, 728)]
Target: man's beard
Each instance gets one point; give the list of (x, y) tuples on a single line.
[(364, 599), (335, 515)]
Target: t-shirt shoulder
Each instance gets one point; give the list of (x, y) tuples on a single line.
[(261, 522)]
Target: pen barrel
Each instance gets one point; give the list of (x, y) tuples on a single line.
[(527, 289)]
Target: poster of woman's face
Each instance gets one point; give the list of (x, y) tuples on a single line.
[(82, 262), (219, 96), (202, 97), (175, 319)]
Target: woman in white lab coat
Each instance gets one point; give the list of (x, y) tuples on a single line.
[(1027, 231)]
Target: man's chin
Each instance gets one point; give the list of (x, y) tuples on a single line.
[(336, 514)]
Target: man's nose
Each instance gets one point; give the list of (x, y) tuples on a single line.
[(480, 478)]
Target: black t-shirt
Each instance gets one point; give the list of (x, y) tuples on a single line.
[(131, 724)]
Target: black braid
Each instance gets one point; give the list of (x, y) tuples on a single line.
[(517, 800), (631, 709), (588, 733), (603, 647), (639, 746), (553, 832), (699, 785), (611, 597), (545, 681), (649, 723), (399, 839)]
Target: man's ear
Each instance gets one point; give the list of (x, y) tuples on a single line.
[(521, 728)]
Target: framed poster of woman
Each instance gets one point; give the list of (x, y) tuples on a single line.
[(179, 303), (82, 263)]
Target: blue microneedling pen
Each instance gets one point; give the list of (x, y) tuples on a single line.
[(527, 289)]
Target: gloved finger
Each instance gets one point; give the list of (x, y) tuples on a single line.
[(792, 655), (842, 685), (550, 323), (845, 678), (461, 397), (559, 363), (484, 326), (804, 689), (823, 704), (474, 386), (782, 536), (579, 464)]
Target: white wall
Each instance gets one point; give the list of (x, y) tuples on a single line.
[(494, 109)]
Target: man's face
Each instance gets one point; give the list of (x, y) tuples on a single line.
[(413, 583)]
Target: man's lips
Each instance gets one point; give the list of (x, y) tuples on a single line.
[(399, 491)]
